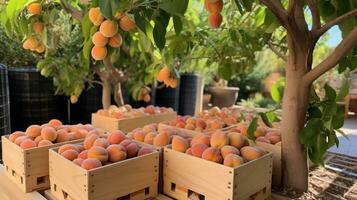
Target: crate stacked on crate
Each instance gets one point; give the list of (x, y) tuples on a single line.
[(25, 154), (126, 118)]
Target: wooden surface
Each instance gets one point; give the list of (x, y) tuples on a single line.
[(10, 191)]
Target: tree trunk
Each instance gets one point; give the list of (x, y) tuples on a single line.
[(118, 95), (106, 94), (295, 102)]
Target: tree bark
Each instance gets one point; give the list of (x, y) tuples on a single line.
[(106, 94), (118, 95)]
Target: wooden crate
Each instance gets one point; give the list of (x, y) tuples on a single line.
[(185, 175), (134, 178), (127, 125), (28, 168)]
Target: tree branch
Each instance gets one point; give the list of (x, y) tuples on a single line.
[(316, 22), (277, 8), (333, 22), (331, 61), (276, 51), (76, 14)]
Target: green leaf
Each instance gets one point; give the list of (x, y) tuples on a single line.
[(265, 119), (311, 130), (330, 93), (260, 16), (108, 8), (339, 117), (140, 22), (343, 91), (343, 133), (174, 7), (251, 128), (177, 24), (343, 64), (247, 4), (86, 26), (239, 6), (159, 31)]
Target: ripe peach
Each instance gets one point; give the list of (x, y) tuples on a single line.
[(219, 139), (15, 135), (62, 135), (212, 154), (215, 20), (31, 43), (83, 154), (273, 136), (34, 8), (190, 126), (101, 142), (91, 163), (116, 152), (126, 142), (78, 161), (162, 139), (198, 149), (230, 120), (81, 133), (49, 133), (201, 139), (95, 16), (20, 139), (179, 144), (243, 128), (99, 40), (233, 160), (260, 131), (80, 147), (132, 150), (33, 131), (180, 124), (126, 23), (40, 48), (70, 154), (99, 53), (214, 124), (38, 139), (149, 138), (189, 151), (67, 147), (201, 123), (89, 141), (263, 139), (237, 140), (251, 153), (145, 150), (139, 135), (108, 28), (43, 143), (27, 144), (38, 27), (228, 150), (115, 41), (99, 153), (115, 137), (55, 123)]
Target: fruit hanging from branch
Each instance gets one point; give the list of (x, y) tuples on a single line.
[(214, 7), (165, 75)]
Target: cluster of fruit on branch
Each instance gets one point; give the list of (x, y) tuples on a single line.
[(32, 42), (214, 7), (165, 75)]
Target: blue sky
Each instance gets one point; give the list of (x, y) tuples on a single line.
[(334, 36)]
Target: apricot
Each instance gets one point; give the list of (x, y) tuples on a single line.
[(34, 8), (228, 150), (31, 43), (126, 142), (190, 126), (15, 135), (201, 123), (147, 98), (78, 161), (150, 128), (38, 139), (273, 136), (230, 120), (215, 20), (89, 141), (81, 133), (101, 142), (70, 154), (149, 138), (237, 140), (33, 131), (115, 41), (260, 131), (189, 151), (164, 74), (99, 40), (179, 144), (126, 23), (132, 150), (108, 28), (99, 153), (66, 147), (162, 139), (27, 144), (99, 53), (95, 16), (116, 152), (80, 147), (139, 135), (83, 154), (40, 48), (49, 133), (198, 149), (91, 163), (243, 128), (212, 154), (251, 153), (219, 139), (38, 27), (145, 150), (214, 124), (180, 124), (43, 143), (233, 160), (263, 139), (201, 139), (172, 82), (115, 137), (20, 139)]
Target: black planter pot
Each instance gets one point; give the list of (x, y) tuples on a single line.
[(4, 102), (167, 97), (88, 102), (188, 91), (33, 99)]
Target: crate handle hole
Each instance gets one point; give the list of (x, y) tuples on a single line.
[(147, 191), (41, 180), (13, 172), (65, 195), (173, 186), (194, 195), (126, 197), (55, 187), (22, 180)]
